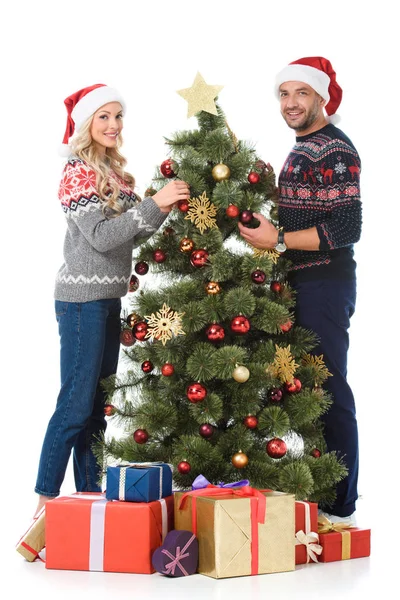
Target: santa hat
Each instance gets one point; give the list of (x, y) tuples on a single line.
[(82, 104), (318, 73)]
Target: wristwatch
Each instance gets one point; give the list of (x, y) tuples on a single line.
[(280, 246)]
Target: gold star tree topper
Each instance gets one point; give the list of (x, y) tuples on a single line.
[(200, 96)]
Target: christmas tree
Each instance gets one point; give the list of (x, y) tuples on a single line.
[(219, 381)]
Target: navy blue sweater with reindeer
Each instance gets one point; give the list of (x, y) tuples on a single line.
[(319, 185)]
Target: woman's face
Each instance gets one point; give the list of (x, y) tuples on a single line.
[(107, 125)]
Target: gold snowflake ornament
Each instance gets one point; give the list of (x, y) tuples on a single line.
[(202, 212), (164, 324), (284, 365), (321, 372), (271, 254)]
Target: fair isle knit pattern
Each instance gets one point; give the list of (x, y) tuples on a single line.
[(98, 246), (319, 185)]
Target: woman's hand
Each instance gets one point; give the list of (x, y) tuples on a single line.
[(171, 194)]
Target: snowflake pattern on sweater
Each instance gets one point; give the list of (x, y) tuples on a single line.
[(319, 185)]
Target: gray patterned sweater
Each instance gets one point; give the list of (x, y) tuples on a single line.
[(97, 248)]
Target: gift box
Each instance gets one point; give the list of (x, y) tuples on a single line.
[(139, 482), (86, 532), (33, 540), (306, 532), (178, 556), (340, 541), (241, 531)]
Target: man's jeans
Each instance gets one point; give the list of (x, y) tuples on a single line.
[(89, 338)]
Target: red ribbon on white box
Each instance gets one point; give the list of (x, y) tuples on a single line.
[(309, 538)]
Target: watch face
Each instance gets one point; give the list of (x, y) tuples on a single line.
[(280, 247)]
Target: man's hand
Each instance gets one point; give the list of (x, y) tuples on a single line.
[(264, 237)]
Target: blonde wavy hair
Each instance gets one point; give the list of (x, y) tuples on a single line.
[(83, 147)]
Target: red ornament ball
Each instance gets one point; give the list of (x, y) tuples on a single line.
[(276, 448), (159, 256), (258, 276), (133, 283), (183, 205), (293, 386), (127, 338), (198, 258), (240, 325), (285, 327), (215, 332), (109, 410), (140, 436), (140, 330), (147, 366), (141, 267), (253, 177), (184, 467), (206, 430), (246, 216), (167, 169), (196, 392), (275, 395), (167, 369), (168, 231), (232, 211), (250, 422), (276, 287), (316, 453)]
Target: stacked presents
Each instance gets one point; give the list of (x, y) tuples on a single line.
[(140, 526)]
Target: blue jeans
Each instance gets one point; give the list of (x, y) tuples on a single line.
[(325, 307), (89, 339)]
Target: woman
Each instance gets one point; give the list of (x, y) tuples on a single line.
[(105, 220)]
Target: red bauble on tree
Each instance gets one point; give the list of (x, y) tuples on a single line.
[(276, 287), (139, 330), (275, 395), (285, 327), (167, 369), (184, 467), (140, 436), (167, 168), (109, 410), (316, 453), (250, 422), (159, 256), (196, 392), (240, 325), (258, 276), (168, 231), (293, 386), (206, 430), (253, 177), (199, 258), (215, 332), (147, 366), (183, 205), (232, 211), (141, 267), (127, 338), (276, 448), (246, 216), (133, 284)]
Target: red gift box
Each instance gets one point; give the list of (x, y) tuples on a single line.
[(86, 532), (307, 547), (341, 542)]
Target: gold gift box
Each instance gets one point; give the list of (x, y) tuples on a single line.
[(224, 532), (33, 541)]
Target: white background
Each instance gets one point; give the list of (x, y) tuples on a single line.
[(149, 50)]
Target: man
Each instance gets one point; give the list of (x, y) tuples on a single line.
[(320, 220)]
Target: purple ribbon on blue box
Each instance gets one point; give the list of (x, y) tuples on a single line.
[(139, 482), (201, 482)]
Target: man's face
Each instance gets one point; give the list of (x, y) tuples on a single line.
[(301, 106)]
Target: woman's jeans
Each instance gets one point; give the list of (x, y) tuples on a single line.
[(89, 338), (325, 307)]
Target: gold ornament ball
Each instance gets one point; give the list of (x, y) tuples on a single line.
[(241, 374), (240, 460), (212, 288), (221, 172), (186, 245)]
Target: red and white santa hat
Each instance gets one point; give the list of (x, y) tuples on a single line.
[(318, 73), (82, 104)]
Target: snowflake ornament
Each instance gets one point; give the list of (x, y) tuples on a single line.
[(202, 212), (164, 324)]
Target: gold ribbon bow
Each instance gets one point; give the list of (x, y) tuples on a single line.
[(326, 526), (309, 540)]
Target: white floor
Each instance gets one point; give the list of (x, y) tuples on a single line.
[(354, 579)]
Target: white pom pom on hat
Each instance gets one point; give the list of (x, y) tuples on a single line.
[(82, 104), (318, 73)]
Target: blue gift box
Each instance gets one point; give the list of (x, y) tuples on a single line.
[(139, 482)]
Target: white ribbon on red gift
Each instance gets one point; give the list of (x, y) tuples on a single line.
[(142, 465), (176, 560), (308, 538)]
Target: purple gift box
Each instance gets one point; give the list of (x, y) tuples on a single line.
[(178, 556)]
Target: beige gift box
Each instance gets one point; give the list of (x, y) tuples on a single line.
[(33, 540)]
